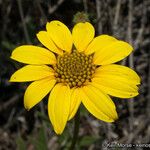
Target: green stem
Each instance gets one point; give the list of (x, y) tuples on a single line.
[(76, 130)]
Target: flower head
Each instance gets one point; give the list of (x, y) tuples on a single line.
[(77, 68)]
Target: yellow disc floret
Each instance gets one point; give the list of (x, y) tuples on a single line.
[(74, 69)]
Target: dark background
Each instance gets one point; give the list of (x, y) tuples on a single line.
[(20, 20)]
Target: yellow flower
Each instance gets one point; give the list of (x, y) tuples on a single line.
[(75, 74)]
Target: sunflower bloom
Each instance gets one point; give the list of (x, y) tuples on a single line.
[(77, 68)]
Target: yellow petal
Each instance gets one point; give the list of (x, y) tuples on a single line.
[(59, 107), (112, 53), (75, 102), (60, 35), (98, 104), (116, 80), (31, 73), (46, 40), (36, 91), (30, 54), (117, 71), (99, 43), (83, 34)]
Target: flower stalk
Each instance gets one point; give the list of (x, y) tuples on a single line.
[(76, 130)]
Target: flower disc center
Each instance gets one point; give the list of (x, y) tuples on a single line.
[(74, 69)]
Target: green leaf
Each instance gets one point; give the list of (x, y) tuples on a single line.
[(40, 143), (88, 140), (21, 145), (8, 45)]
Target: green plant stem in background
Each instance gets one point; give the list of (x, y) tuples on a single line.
[(76, 130)]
